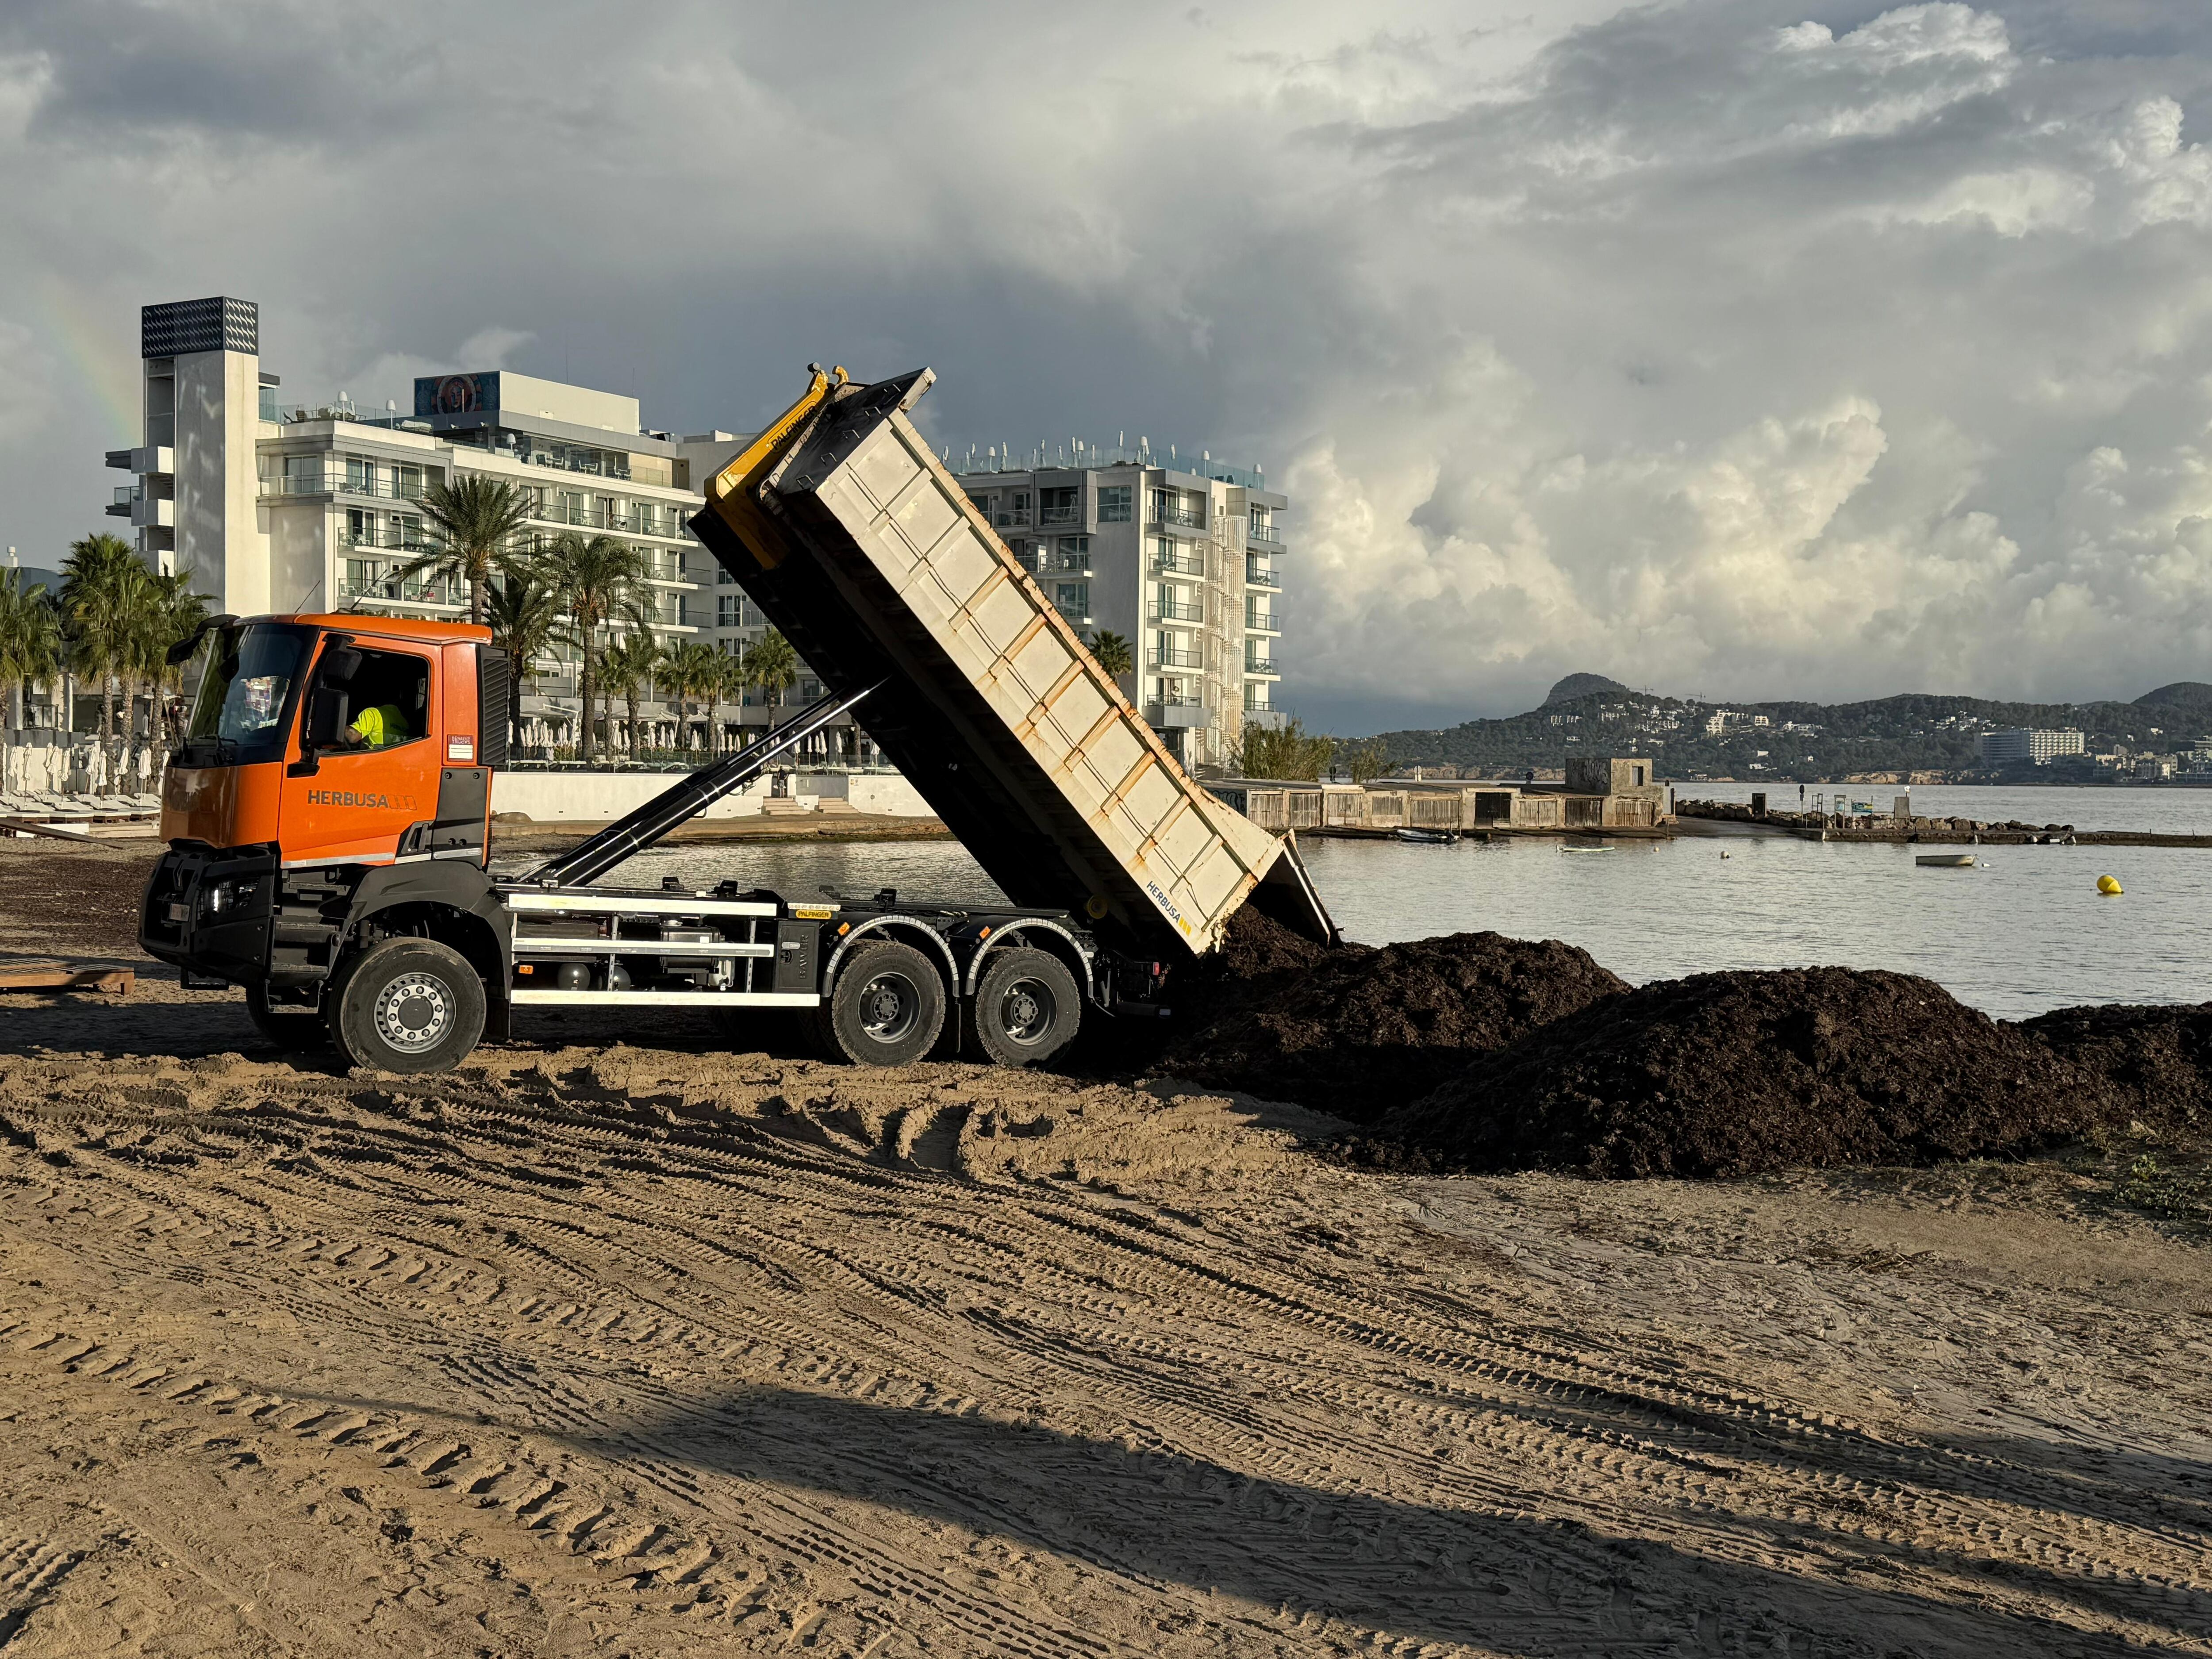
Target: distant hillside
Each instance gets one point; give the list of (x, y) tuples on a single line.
[(1797, 741), (1582, 685)]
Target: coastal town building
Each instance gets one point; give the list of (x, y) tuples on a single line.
[(277, 503), (2011, 746), (1599, 793), (1177, 555)]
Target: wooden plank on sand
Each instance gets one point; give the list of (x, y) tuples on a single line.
[(61, 976), (33, 827)]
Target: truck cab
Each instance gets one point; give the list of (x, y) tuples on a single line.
[(334, 786)]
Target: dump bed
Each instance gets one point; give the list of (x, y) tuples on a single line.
[(857, 542)]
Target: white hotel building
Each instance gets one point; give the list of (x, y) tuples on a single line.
[(281, 506), (1176, 555)]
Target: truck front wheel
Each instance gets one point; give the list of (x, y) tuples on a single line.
[(408, 1004), (1027, 1008), (887, 1006)]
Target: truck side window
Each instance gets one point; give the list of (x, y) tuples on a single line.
[(387, 700)]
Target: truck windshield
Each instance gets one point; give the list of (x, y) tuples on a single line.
[(244, 709)]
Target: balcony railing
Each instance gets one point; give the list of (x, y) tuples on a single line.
[(334, 480), (1052, 515), (392, 589), (1075, 618), (1263, 534), (387, 542), (1186, 517), (1063, 564), (1263, 621), (1258, 577), (1175, 658), (1186, 613), (586, 515), (1271, 665), (1178, 564)]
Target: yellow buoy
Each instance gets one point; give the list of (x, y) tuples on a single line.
[(2108, 885)]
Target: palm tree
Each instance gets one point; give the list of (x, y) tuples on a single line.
[(726, 680), (470, 521), (172, 612), (600, 579), (689, 670), (523, 613), (772, 665), (629, 662), (1113, 652), (30, 640), (103, 601)]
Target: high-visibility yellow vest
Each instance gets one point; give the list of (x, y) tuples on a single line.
[(381, 725)]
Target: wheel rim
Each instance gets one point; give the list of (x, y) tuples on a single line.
[(414, 1012), (1025, 1011), (890, 1007)]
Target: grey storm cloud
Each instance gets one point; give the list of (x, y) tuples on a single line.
[(1745, 346)]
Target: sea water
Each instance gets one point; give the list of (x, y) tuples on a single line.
[(2029, 932)]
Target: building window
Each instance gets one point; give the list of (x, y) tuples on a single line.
[(407, 481), (360, 475), (1073, 599), (408, 533), (1058, 506), (729, 611), (1114, 503), (360, 527)]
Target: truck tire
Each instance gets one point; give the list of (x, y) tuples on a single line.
[(408, 1004), (1027, 1009), (284, 1026), (887, 1006)]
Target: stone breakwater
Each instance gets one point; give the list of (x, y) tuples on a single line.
[(1986, 832)]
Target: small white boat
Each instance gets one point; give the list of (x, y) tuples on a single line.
[(1945, 860), (1607, 849), (1429, 838)]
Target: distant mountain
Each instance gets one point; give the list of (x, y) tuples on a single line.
[(2182, 693), (1581, 685), (1797, 742)]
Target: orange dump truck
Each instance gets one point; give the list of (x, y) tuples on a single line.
[(328, 815)]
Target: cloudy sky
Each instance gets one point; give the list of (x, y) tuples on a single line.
[(1748, 348)]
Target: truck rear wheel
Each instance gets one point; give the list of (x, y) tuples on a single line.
[(408, 1004), (1027, 1008), (286, 1026), (887, 1006)]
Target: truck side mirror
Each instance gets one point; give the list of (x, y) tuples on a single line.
[(326, 717)]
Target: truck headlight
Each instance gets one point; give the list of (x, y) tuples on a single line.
[(218, 898)]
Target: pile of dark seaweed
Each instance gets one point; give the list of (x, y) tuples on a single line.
[(1477, 1053)]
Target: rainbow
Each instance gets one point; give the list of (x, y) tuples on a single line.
[(104, 357)]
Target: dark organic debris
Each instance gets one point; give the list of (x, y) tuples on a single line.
[(1354, 1029), (2156, 1061), (1732, 1073)]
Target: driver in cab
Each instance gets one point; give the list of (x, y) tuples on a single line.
[(378, 727)]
